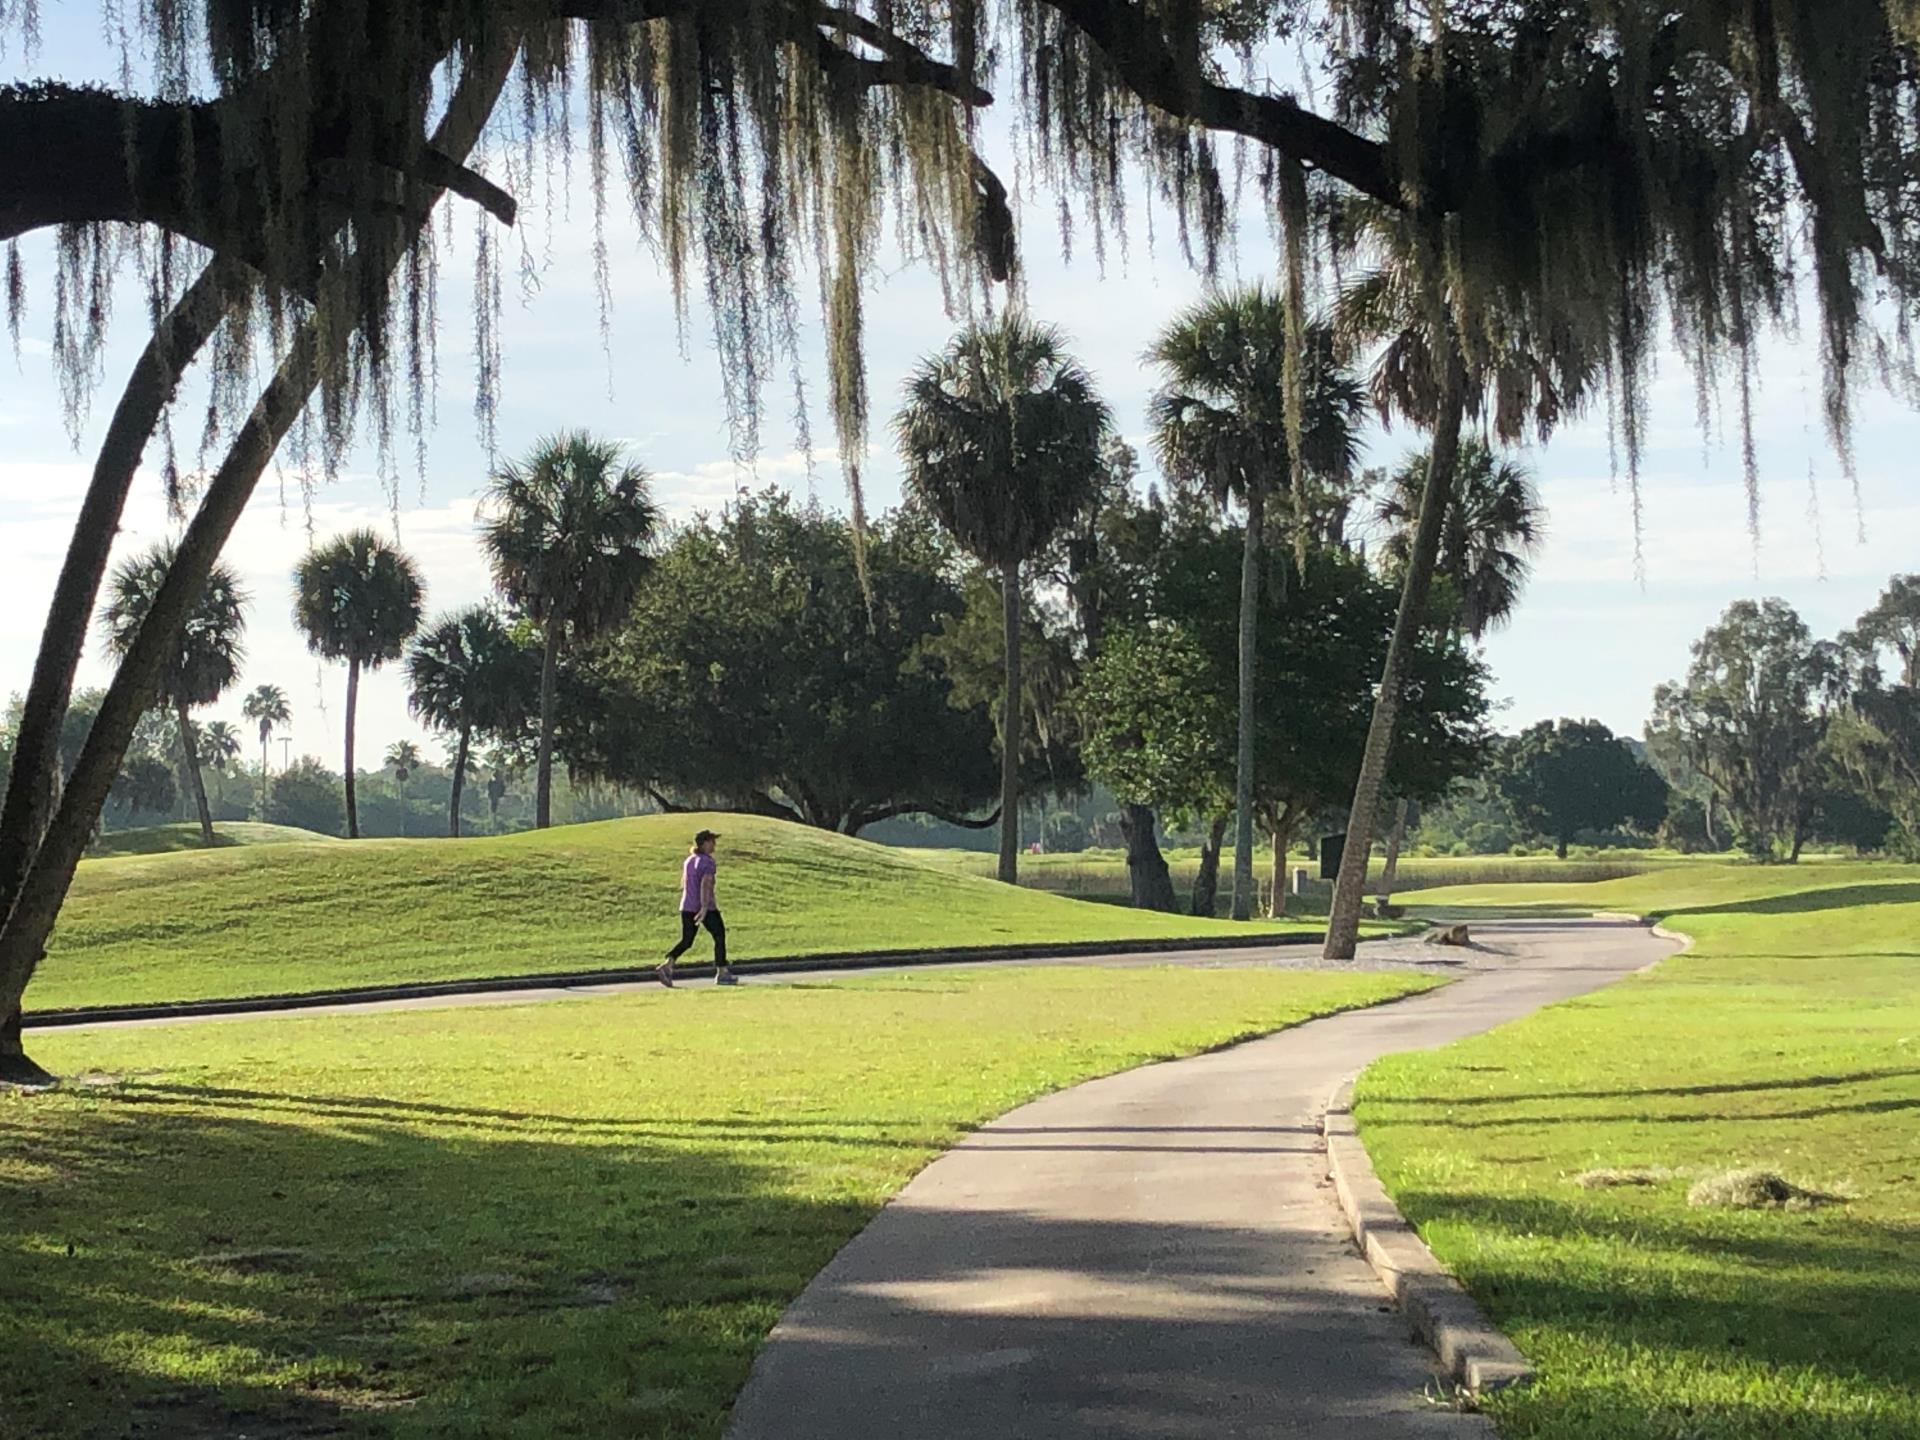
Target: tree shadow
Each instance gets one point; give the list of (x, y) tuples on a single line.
[(1810, 901), (1398, 1103)]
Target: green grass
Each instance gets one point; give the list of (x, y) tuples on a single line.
[(573, 1219), (253, 920), (165, 839), (1788, 1040)]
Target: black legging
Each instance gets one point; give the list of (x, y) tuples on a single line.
[(689, 927)]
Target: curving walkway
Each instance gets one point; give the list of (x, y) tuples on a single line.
[(1152, 1255)]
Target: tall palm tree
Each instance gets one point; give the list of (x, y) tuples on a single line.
[(1220, 426), (219, 748), (1493, 528), (204, 663), (267, 707), (468, 677), (1001, 433), (356, 599), (403, 758), (1445, 347), (571, 536)]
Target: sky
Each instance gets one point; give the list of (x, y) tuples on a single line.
[(1596, 631)]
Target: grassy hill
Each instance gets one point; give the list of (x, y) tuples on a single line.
[(1552, 1164), (166, 839), (250, 920)]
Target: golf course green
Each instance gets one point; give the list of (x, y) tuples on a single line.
[(1575, 1168)]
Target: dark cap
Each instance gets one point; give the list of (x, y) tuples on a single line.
[(706, 835)]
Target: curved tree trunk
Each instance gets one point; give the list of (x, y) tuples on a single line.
[(1390, 872), (1243, 897), (135, 684), (459, 781), (1206, 880), (190, 761), (1343, 922), (1010, 726), (33, 788), (1148, 879), (353, 706), (549, 669)]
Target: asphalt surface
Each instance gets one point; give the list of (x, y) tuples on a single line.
[(1155, 1255)]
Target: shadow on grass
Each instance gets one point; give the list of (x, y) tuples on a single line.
[(1400, 1103), (1803, 902)]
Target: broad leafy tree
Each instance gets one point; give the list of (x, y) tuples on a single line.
[(1001, 434), (467, 676), (1563, 777), (356, 598), (570, 532), (1878, 743), (205, 663), (266, 706), (1751, 717), (1222, 425)]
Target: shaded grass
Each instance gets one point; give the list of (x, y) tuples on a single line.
[(1788, 1042), (166, 839), (577, 1219), (271, 918)]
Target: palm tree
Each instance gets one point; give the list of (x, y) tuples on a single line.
[(468, 677), (403, 758), (219, 748), (1445, 348), (266, 706), (1001, 434), (1220, 426), (356, 599), (203, 664), (571, 538), (1493, 528)]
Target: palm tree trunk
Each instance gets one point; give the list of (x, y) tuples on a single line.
[(1391, 870), (33, 783), (1282, 839), (196, 782), (1243, 760), (1343, 921), (549, 668), (1148, 878), (1206, 880), (43, 890), (353, 706), (1010, 726), (459, 781), (263, 778)]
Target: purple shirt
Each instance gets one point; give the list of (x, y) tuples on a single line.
[(694, 874)]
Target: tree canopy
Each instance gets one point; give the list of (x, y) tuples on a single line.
[(1563, 777)]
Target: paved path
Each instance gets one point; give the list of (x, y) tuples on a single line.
[(1152, 1256)]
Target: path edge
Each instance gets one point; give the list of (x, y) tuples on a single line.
[(1475, 1353), (58, 1017)]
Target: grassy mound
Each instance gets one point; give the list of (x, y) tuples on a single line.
[(166, 839), (517, 1222), (251, 920), (1552, 1164)]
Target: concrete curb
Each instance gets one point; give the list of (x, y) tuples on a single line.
[(1476, 1355), (630, 974)]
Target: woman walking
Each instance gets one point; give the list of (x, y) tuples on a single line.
[(697, 908)]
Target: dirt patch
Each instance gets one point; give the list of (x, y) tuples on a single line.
[(1608, 1177)]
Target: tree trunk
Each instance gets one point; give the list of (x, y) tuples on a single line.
[(1390, 872), (1010, 726), (23, 938), (1206, 880), (1243, 761), (1560, 848), (549, 669), (196, 782), (1282, 839), (263, 779), (1148, 878), (353, 705), (33, 788), (459, 781), (1343, 922)]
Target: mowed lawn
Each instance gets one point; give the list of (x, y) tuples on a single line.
[(1788, 1040), (261, 919), (571, 1219)]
